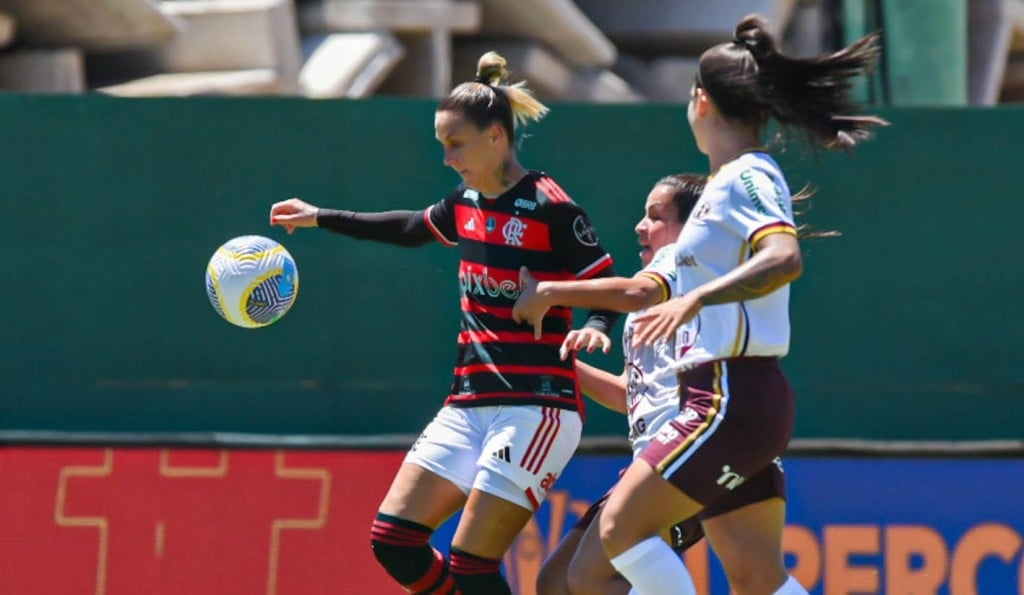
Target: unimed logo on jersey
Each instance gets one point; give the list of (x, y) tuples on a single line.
[(482, 283), (748, 183)]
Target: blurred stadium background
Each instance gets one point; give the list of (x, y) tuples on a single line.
[(584, 50), (148, 447)]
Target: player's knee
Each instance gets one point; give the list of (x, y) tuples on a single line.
[(401, 548), (616, 536)]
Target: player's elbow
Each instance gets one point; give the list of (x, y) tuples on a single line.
[(642, 293), (782, 255), (790, 265), (633, 300)]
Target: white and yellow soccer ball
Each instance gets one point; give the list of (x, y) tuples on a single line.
[(252, 281)]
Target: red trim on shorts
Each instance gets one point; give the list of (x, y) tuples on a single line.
[(538, 452), (532, 498), (537, 435)]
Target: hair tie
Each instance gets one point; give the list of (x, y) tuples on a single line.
[(750, 44), (482, 79)]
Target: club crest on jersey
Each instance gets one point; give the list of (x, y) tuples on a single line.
[(583, 231), (513, 231)]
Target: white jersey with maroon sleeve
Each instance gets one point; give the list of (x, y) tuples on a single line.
[(745, 201), (652, 391)]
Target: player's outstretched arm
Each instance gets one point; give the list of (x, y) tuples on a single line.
[(619, 294), (402, 228)]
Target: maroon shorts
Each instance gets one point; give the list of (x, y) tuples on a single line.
[(766, 484), (735, 421), (684, 534)]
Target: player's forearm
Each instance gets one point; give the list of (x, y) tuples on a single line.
[(603, 387), (401, 228), (620, 294), (768, 270)]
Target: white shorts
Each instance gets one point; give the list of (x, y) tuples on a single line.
[(513, 452)]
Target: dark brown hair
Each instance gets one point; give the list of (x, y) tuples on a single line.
[(751, 81), (489, 98), (686, 190)]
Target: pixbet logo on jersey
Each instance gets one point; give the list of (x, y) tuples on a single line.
[(482, 283)]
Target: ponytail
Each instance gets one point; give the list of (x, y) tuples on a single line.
[(750, 80), (489, 98)]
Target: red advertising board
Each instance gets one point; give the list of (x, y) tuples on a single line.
[(203, 522)]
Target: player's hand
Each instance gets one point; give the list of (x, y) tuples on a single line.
[(293, 213), (585, 338), (663, 320), (530, 307)]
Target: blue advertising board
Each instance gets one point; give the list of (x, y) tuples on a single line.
[(895, 526)]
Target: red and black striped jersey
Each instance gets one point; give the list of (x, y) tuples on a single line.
[(533, 224)]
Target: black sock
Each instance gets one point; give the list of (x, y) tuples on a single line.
[(402, 547), (477, 576)]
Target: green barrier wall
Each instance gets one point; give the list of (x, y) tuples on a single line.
[(924, 59), (905, 327)]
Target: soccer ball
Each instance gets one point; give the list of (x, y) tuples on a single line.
[(252, 281)]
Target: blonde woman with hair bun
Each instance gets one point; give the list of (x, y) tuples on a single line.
[(512, 417)]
